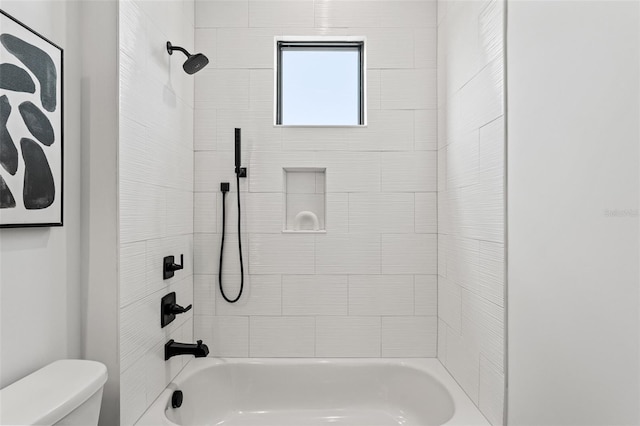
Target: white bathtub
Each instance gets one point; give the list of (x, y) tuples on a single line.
[(310, 392)]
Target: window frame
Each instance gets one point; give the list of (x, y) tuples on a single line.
[(282, 43)]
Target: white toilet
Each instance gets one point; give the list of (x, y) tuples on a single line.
[(65, 392)]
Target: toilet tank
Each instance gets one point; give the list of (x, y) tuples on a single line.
[(64, 392)]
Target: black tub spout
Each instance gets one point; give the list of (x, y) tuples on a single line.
[(173, 348)]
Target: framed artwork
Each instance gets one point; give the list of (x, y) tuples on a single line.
[(31, 127)]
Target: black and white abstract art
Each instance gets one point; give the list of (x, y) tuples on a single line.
[(31, 130)]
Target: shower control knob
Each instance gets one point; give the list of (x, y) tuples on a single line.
[(174, 308)]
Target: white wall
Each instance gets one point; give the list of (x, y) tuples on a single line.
[(574, 112), (471, 199), (40, 282), (368, 287), (156, 193), (99, 118)]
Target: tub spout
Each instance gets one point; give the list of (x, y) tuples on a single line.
[(173, 348)]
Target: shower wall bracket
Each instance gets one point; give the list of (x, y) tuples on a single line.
[(242, 172)]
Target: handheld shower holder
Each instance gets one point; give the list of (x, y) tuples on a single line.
[(242, 172)]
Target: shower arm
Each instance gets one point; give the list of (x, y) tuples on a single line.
[(171, 48)]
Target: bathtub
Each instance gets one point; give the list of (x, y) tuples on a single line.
[(309, 392)]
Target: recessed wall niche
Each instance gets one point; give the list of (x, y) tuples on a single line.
[(304, 190)]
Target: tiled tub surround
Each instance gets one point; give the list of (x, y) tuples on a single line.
[(368, 287), (156, 193), (471, 199)]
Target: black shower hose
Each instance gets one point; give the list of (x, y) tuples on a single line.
[(224, 193)]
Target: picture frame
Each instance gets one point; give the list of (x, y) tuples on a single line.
[(31, 127)]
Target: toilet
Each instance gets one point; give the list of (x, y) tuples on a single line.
[(65, 392)]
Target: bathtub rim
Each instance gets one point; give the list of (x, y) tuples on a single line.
[(465, 411)]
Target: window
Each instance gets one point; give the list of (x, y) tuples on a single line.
[(320, 83)]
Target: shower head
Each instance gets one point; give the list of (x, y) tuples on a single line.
[(194, 63)]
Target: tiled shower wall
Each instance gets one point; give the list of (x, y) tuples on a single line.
[(471, 199), (366, 288), (156, 193)]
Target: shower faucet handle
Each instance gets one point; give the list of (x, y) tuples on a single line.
[(169, 266)]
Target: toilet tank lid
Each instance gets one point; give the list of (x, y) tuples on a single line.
[(49, 394)]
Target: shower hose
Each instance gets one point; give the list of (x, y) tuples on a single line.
[(224, 193)]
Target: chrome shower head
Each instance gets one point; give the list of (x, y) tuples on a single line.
[(194, 63)]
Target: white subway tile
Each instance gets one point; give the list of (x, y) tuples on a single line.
[(207, 253), (449, 304), (442, 174), (266, 169), (139, 330), (381, 212), (491, 273), (426, 295), (258, 133), (481, 100), (318, 138), (222, 89), (409, 253), (409, 171), (264, 212), (463, 161), (280, 13), (442, 342), (346, 14), (408, 89), (262, 295), (463, 362), (282, 336), (135, 163), (419, 13), (205, 219), (337, 213), (409, 336), (204, 294), (179, 208), (373, 89), (205, 129), (387, 130), (139, 202), (350, 171), (463, 262), (220, 13), (425, 130), (426, 221), (491, 31), (245, 47), (348, 254), (133, 395), (425, 48), (387, 47), (261, 93), (314, 294), (282, 254), (491, 391), (348, 336), (133, 272), (206, 42), (483, 326), (381, 295), (230, 336)]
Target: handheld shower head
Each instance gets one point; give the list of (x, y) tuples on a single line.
[(194, 63), (238, 149)]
